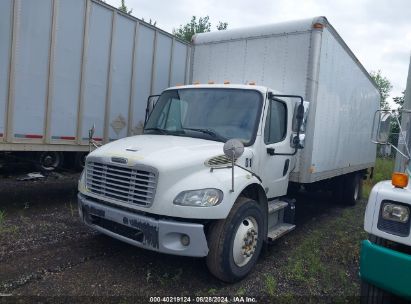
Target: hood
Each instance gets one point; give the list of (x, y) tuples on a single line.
[(160, 151)]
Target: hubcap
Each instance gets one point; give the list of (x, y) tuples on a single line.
[(245, 241)]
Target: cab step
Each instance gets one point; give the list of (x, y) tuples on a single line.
[(274, 206), (279, 230)]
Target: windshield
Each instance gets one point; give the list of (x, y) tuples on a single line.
[(215, 114)]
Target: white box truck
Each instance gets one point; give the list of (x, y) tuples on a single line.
[(66, 65), (385, 261), (209, 176)]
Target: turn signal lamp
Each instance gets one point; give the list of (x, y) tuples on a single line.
[(399, 180)]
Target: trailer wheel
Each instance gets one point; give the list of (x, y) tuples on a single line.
[(48, 161), (235, 243), (80, 160), (352, 189)]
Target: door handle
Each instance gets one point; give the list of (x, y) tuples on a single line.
[(286, 165), (271, 151)]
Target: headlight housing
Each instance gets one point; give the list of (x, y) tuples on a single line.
[(199, 198), (395, 212)]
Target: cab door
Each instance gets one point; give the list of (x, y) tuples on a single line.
[(276, 135)]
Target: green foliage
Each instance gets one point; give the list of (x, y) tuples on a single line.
[(152, 22), (124, 8), (222, 26), (384, 167), (384, 87), (197, 25), (399, 100)]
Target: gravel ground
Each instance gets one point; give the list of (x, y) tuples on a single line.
[(45, 250)]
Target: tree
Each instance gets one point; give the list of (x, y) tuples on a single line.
[(222, 26), (124, 8), (384, 87), (399, 100), (151, 22), (200, 25)]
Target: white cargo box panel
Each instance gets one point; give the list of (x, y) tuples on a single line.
[(66, 65), (310, 59)]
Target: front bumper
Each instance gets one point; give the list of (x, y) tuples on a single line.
[(385, 268), (144, 231)]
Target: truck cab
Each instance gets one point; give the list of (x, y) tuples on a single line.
[(207, 178), (385, 261)]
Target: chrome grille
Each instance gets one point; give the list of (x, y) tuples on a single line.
[(128, 185)]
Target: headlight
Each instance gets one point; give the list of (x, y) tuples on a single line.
[(199, 198), (394, 212)]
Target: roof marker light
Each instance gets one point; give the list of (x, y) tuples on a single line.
[(226, 82), (196, 82), (251, 83), (210, 82), (318, 26)]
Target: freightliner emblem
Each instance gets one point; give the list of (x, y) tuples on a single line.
[(120, 160)]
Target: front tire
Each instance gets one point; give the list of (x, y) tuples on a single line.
[(236, 242), (371, 294)]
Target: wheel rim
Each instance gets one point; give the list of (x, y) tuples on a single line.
[(245, 241), (49, 161), (356, 190)]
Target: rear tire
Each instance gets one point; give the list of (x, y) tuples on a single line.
[(48, 161), (236, 242), (352, 189)]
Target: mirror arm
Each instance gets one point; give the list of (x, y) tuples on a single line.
[(403, 137)]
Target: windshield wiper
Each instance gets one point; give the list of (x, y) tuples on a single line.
[(210, 132), (161, 131)]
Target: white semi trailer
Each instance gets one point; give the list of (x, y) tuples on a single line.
[(66, 65), (174, 190)]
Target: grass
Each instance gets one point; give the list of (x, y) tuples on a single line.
[(2, 217), (384, 167), (325, 260), (270, 284)]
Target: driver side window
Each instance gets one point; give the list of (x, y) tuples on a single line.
[(276, 122)]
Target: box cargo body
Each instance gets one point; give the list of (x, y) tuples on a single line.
[(66, 65), (310, 59)]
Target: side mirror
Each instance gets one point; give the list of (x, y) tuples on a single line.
[(299, 125), (151, 103), (233, 148), (381, 127), (298, 142)]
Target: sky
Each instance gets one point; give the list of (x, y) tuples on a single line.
[(377, 31)]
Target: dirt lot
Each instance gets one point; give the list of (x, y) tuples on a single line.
[(45, 250)]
